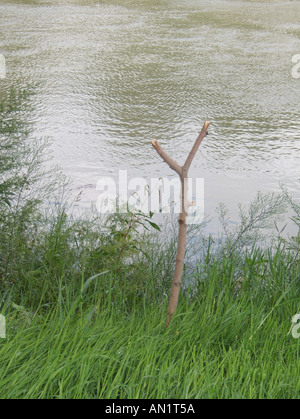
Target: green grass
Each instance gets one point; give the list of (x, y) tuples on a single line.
[(222, 343)]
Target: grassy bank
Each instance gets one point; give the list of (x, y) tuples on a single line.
[(85, 298), (223, 342)]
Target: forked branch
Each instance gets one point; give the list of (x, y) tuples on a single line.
[(182, 171)]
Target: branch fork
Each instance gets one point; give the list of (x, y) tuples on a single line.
[(182, 172)]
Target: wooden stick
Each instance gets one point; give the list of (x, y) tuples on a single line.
[(182, 171)]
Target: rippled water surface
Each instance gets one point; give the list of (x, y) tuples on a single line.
[(112, 75)]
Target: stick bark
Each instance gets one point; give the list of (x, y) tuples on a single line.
[(182, 172)]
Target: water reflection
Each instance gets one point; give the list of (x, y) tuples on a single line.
[(113, 75)]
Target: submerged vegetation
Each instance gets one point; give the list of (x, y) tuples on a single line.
[(85, 298)]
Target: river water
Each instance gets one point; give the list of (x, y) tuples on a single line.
[(111, 76)]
